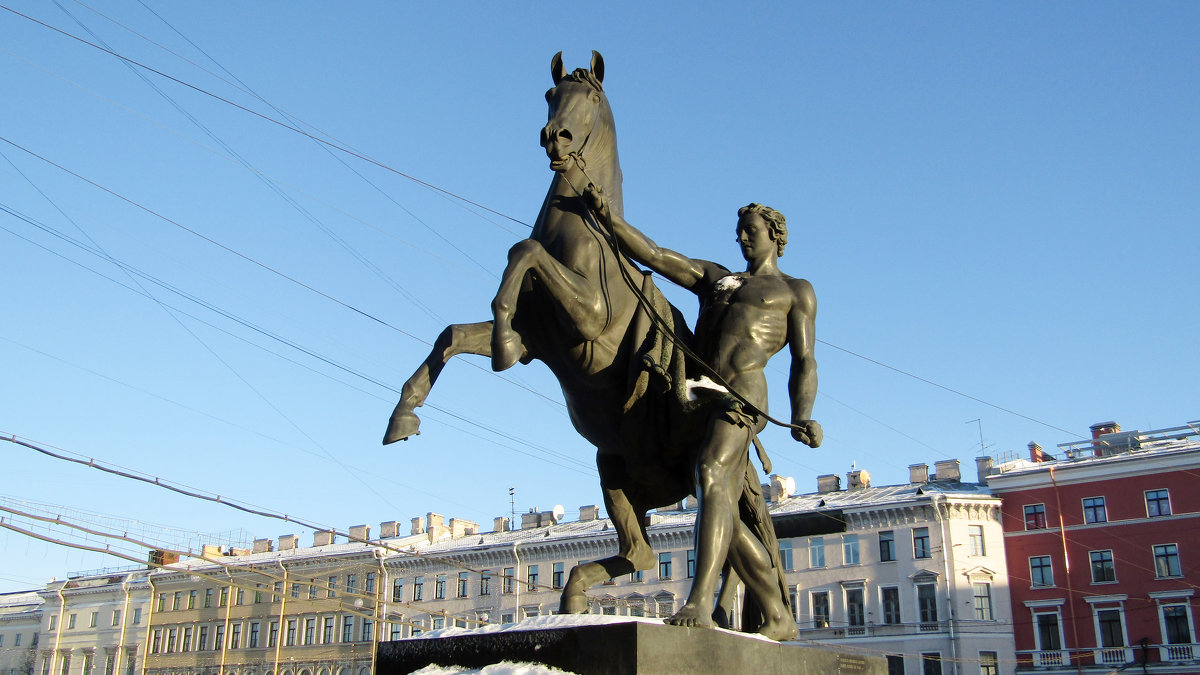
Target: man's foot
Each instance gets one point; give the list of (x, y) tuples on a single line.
[(573, 602), (780, 629), (506, 348), (691, 617)]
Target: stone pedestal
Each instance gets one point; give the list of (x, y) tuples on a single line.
[(620, 648)]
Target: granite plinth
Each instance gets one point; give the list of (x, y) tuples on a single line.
[(620, 648)]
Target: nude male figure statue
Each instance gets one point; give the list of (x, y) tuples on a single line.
[(745, 318)]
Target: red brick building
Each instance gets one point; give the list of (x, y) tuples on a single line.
[(1103, 549)]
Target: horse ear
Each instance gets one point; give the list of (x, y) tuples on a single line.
[(557, 71), (598, 66)]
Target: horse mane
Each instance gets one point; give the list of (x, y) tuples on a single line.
[(585, 76)]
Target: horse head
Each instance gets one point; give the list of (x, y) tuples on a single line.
[(579, 116)]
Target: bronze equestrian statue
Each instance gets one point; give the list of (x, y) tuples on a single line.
[(617, 347)]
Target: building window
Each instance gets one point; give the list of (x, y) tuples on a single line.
[(312, 590), (137, 616), (637, 576), (556, 574), (192, 599), (370, 582), (439, 587), (176, 600), (1110, 629), (1035, 516), (509, 580), (87, 662), (927, 606), (70, 621), (989, 663), (273, 634), (921, 542), (310, 631), (348, 629), (856, 614), (1094, 511), (116, 617), (1040, 571), (664, 566), (816, 552), (186, 645), (983, 601), (895, 663), (890, 599), (327, 630), (1103, 570), (1177, 624), (785, 556), (691, 563), (202, 639), (156, 642), (850, 549), (257, 593), (208, 595), (1158, 503), (289, 639), (462, 584), (110, 664), (219, 637), (224, 596), (252, 639), (296, 591), (53, 622), (162, 602), (235, 636), (977, 547), (351, 583), (887, 546), (368, 630), (931, 663), (398, 590), (820, 609), (331, 592), (485, 583), (418, 588), (1166, 561), (531, 578), (1049, 637)]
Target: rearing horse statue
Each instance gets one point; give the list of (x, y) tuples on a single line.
[(569, 300)]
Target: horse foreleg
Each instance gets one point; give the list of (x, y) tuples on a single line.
[(578, 298), (465, 338), (633, 553)]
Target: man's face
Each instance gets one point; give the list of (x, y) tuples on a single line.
[(754, 237)]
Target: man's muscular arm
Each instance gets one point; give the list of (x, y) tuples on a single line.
[(677, 267), (802, 383)]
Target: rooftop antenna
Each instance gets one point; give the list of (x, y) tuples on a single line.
[(512, 506), (980, 423)]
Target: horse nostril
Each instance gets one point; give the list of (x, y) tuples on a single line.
[(564, 136)]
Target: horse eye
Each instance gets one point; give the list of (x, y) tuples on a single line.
[(596, 98)]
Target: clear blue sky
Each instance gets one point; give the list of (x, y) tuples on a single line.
[(998, 198)]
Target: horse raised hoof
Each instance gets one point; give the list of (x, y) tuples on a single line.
[(507, 350), (404, 423)]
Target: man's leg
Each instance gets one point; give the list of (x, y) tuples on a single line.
[(753, 564), (719, 475)]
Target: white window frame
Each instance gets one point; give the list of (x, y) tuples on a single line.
[(1048, 657), (1110, 656)]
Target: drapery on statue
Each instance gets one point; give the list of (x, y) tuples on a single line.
[(617, 348)]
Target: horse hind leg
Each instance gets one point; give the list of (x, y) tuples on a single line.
[(633, 553), (465, 338)]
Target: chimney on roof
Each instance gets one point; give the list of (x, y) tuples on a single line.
[(589, 512), (418, 525), (530, 520), (322, 537), (947, 470), (263, 546), (782, 487), (1035, 452), (983, 467), (158, 558), (918, 473), (360, 533), (500, 524), (287, 542), (461, 528), (858, 479), (389, 529), (1101, 428), (830, 482)]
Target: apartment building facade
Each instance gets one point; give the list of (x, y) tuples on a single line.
[(1101, 547), (94, 624), (20, 620)]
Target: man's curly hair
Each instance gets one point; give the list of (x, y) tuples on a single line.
[(774, 219)]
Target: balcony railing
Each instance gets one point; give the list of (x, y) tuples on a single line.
[(1184, 652), (1113, 656), (1051, 658)]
